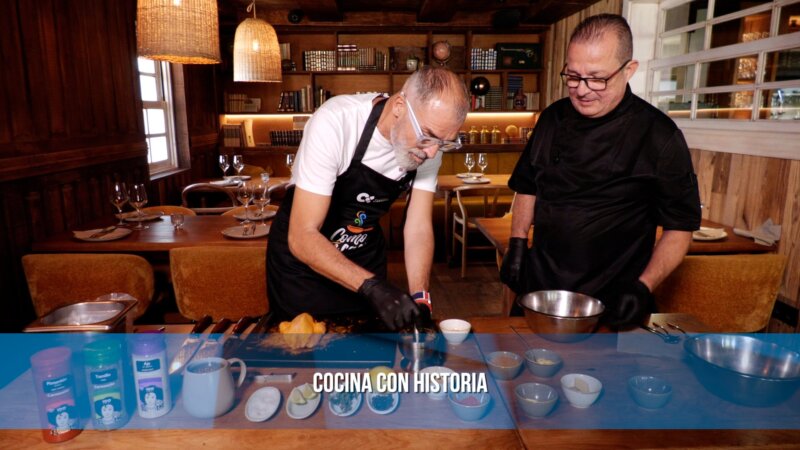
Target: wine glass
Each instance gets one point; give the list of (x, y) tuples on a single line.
[(482, 162), (261, 198), (469, 161), (137, 197), (238, 164), (290, 161), (224, 164), (119, 196), (244, 193)]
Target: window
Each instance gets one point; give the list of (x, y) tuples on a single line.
[(727, 71), (159, 127)]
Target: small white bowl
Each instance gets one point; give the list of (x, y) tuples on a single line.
[(575, 396), (437, 369), (262, 404), (455, 330)]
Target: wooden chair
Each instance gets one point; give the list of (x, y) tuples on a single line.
[(731, 293), (170, 209), (220, 281), (278, 192), (60, 279), (253, 171), (463, 218), (251, 210), (208, 196)]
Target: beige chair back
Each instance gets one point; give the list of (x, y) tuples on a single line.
[(202, 193), (478, 200), (228, 282), (730, 293), (56, 280)]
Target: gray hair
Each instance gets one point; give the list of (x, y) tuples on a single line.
[(593, 28), (431, 83)]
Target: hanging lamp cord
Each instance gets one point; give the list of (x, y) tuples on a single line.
[(252, 6)]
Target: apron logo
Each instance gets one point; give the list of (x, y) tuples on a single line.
[(359, 221), (344, 241), (364, 198)]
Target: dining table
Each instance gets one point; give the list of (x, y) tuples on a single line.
[(498, 231), (614, 421)]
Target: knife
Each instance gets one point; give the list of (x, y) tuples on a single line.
[(212, 347), (233, 341), (189, 346), (259, 329), (103, 232)]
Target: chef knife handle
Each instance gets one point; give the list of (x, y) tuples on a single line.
[(201, 324), (242, 324), (220, 327)]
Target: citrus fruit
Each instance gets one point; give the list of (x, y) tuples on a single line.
[(296, 397), (308, 392)]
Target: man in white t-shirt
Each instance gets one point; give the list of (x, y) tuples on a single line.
[(326, 252)]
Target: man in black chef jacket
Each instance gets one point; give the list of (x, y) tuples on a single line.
[(326, 254), (602, 170)]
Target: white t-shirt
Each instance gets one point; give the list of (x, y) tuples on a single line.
[(329, 143)]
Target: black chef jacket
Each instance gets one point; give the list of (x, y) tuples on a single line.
[(602, 186)]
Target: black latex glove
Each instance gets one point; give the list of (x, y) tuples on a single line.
[(395, 307), (512, 269), (424, 320), (630, 306)]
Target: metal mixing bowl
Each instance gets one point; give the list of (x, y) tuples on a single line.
[(418, 354), (743, 369), (561, 316)]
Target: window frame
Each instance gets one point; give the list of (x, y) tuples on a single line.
[(164, 102), (752, 136)]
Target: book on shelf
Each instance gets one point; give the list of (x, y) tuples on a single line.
[(233, 135)]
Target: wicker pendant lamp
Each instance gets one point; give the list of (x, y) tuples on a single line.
[(256, 54), (179, 31)]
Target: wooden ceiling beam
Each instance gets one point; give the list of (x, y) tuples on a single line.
[(436, 11), (321, 10)]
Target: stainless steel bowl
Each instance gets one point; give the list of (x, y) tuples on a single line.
[(561, 316), (743, 369), (424, 352)]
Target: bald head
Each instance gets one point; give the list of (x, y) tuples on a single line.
[(430, 84), (593, 28)]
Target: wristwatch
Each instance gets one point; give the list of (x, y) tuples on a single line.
[(423, 298)]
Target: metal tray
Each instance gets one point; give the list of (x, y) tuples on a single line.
[(96, 316)]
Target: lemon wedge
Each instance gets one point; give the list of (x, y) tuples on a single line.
[(308, 392), (373, 375), (296, 397)]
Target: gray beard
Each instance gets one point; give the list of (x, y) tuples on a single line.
[(402, 153)]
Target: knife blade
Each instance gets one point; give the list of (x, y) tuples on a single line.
[(189, 346), (234, 340), (258, 329), (212, 347), (103, 232)]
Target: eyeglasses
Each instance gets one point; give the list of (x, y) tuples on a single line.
[(425, 141), (595, 84)]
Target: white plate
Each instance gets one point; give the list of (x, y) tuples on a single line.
[(145, 217), (466, 175), (395, 402), (237, 232), (262, 404), (119, 233), (477, 180), (224, 182), (302, 411), (269, 213), (709, 234), (235, 177), (353, 406)]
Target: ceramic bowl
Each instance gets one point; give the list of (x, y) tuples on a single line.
[(571, 384), (455, 330), (649, 392), (542, 362), (469, 406), (536, 399), (504, 365), (437, 369)]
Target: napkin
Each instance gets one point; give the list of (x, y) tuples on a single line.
[(228, 182), (767, 234)]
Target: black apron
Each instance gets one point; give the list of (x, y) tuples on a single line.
[(360, 197)]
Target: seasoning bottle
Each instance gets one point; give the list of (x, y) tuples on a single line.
[(520, 101), (55, 394), (495, 134), (105, 382), (473, 135), (150, 375), (485, 135)]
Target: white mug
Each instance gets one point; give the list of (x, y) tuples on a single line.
[(208, 386)]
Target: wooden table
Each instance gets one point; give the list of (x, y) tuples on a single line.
[(160, 237), (445, 185), (503, 427), (498, 231)]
